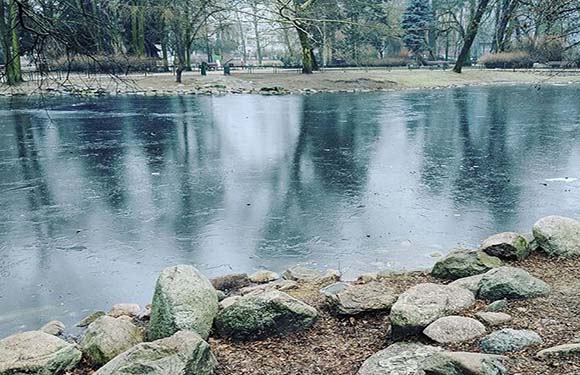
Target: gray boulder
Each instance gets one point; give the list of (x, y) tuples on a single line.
[(461, 363), (184, 299), (470, 283), (509, 340), (399, 359), (508, 245), (36, 353), (558, 236), (464, 263), (511, 283), (560, 351), (54, 328), (493, 319), (262, 314), (108, 337), (183, 353), (454, 329), (347, 299), (422, 304)]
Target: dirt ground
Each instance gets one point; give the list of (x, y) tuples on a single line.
[(290, 81), (338, 346)]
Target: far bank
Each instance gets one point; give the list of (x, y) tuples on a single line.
[(279, 82)]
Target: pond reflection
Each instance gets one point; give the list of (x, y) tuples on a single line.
[(98, 195)]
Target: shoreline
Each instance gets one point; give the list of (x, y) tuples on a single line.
[(332, 327), (285, 83)]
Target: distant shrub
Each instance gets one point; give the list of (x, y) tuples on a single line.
[(507, 60), (544, 49), (391, 61), (114, 64)]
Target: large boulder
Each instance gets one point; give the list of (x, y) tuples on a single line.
[(461, 363), (262, 314), (399, 359), (36, 353), (508, 245), (183, 353), (560, 351), (558, 236), (454, 329), (108, 337), (509, 340), (184, 299), (424, 303), (464, 263), (348, 299), (511, 283)]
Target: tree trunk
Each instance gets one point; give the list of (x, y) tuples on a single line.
[(10, 42), (470, 35), (257, 32), (165, 55), (309, 64), (242, 37), (503, 27)]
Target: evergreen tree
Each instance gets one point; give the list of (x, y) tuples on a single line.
[(415, 24)]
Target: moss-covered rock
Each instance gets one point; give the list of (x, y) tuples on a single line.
[(36, 353), (184, 299), (263, 314), (511, 283), (183, 353), (108, 337), (464, 263), (508, 245)]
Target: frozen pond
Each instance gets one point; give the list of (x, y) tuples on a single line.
[(97, 196)]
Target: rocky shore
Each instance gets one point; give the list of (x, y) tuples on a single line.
[(282, 83), (508, 307)]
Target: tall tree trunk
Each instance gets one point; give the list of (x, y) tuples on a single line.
[(508, 8), (10, 41), (433, 33), (288, 43), (470, 35), (257, 31), (180, 63), (137, 28), (242, 37), (309, 64), (164, 52), (98, 31)]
